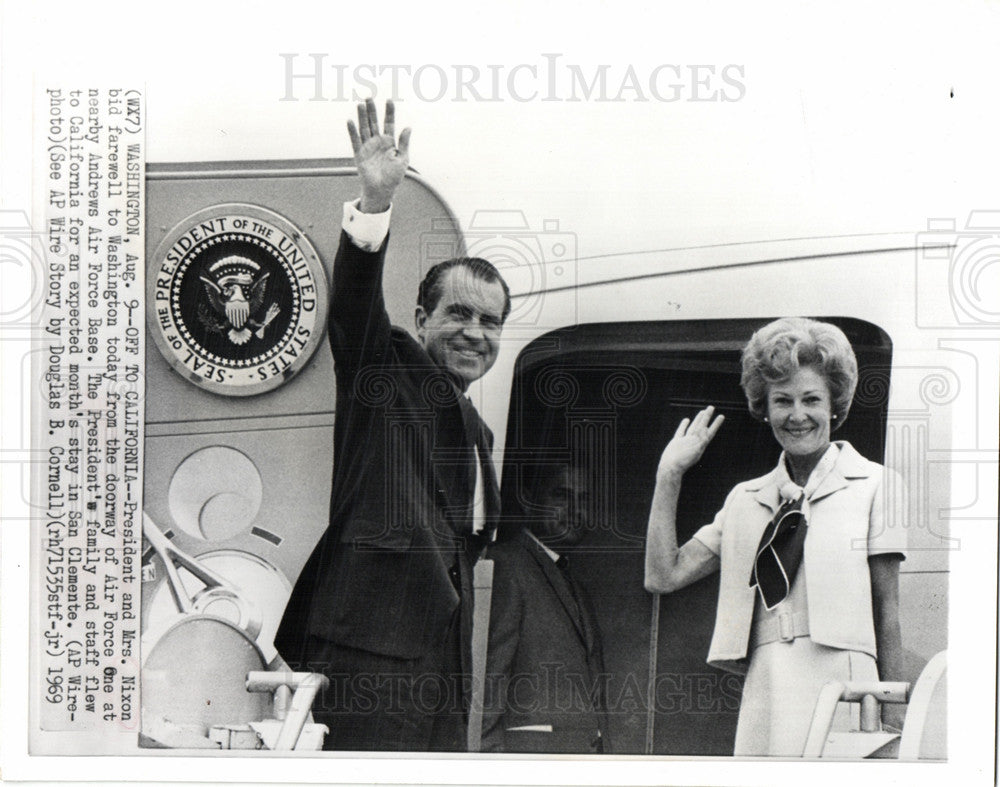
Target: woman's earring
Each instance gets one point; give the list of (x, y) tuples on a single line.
[(765, 420), (833, 417)]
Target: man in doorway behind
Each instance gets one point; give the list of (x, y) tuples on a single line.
[(383, 607), (545, 679)]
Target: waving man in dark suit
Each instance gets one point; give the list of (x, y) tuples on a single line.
[(383, 607)]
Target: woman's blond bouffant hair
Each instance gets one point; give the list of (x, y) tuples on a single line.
[(780, 348)]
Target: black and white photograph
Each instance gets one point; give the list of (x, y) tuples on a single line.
[(572, 394)]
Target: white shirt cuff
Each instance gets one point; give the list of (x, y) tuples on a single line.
[(367, 230)]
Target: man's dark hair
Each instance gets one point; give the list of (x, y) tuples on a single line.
[(430, 288)]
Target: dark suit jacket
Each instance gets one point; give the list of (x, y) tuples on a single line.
[(395, 564), (543, 662)]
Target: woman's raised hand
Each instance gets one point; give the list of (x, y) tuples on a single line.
[(689, 442)]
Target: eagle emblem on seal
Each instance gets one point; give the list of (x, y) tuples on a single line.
[(236, 291)]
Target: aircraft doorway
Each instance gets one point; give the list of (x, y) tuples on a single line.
[(607, 397)]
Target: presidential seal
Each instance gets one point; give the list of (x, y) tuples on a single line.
[(237, 300)]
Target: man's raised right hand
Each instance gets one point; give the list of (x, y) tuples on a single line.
[(381, 163)]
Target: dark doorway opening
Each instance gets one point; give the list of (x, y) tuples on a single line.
[(607, 397)]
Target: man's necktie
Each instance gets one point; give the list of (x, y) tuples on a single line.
[(588, 621), (579, 597), (484, 503), (779, 553), (491, 489)]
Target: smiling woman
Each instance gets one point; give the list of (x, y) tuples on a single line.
[(799, 414), (799, 376), (799, 604)]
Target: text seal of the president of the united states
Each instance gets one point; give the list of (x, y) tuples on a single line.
[(237, 299)]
